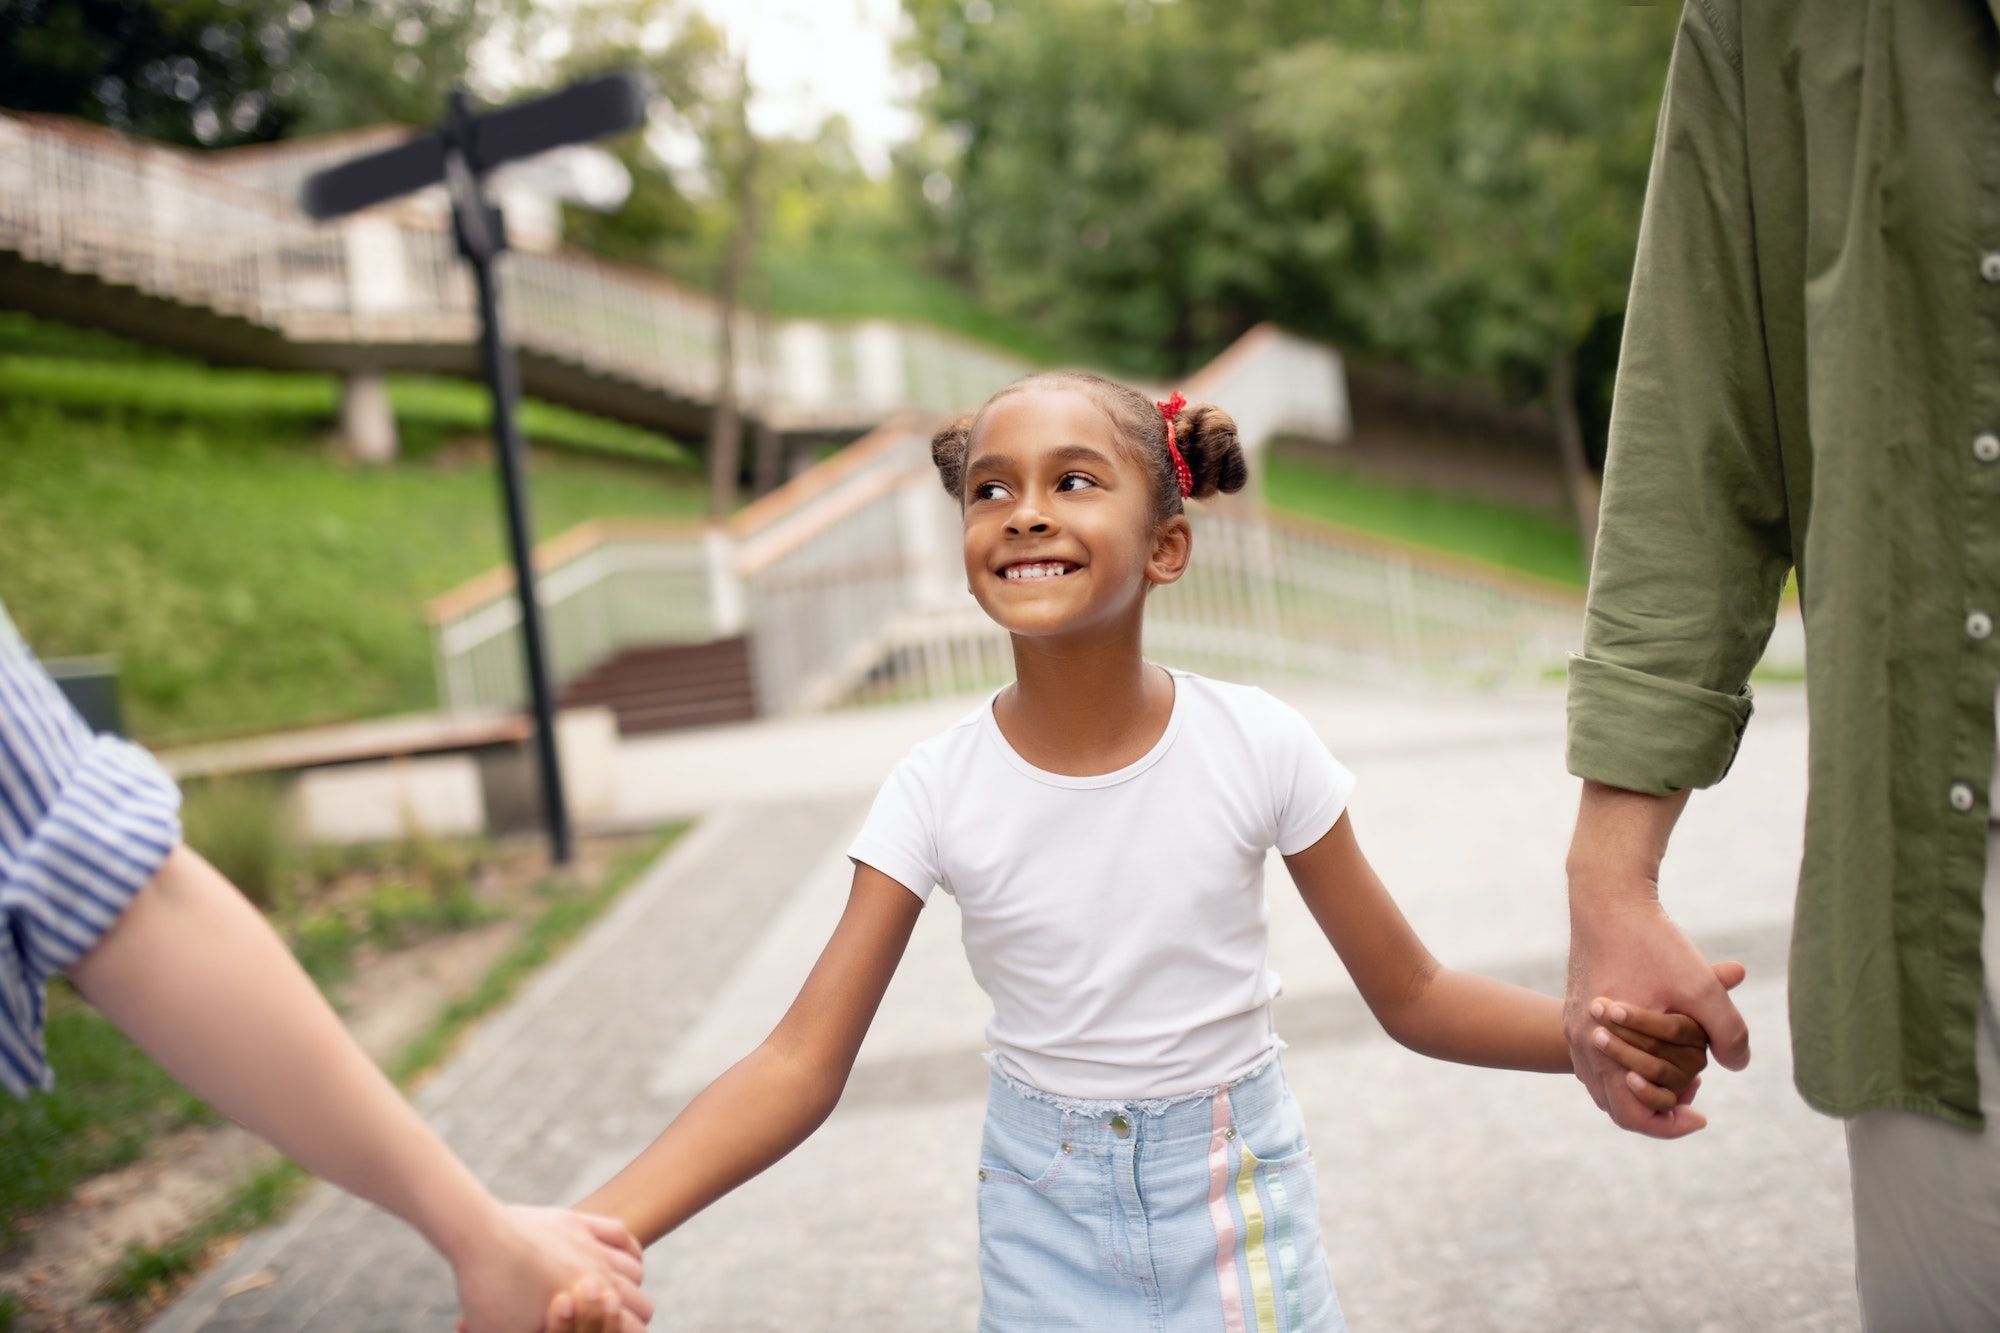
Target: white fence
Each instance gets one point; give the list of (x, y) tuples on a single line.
[(604, 587), (173, 225), (815, 571), (1268, 599), (853, 592)]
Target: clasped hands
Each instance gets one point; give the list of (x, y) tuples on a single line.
[(506, 1274)]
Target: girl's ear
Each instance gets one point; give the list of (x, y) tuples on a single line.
[(1173, 546)]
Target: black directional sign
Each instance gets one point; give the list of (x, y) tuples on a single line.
[(611, 104), (459, 153)]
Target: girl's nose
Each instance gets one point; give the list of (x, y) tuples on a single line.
[(1026, 519)]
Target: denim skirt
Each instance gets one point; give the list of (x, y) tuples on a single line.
[(1195, 1214)]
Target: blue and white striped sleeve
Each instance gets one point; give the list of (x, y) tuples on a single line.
[(85, 821)]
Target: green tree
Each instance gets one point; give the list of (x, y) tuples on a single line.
[(370, 61), (1457, 186), (187, 71), (682, 54), (1497, 165), (221, 72), (1095, 165)]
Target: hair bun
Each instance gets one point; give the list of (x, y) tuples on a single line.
[(948, 453), (1207, 438)]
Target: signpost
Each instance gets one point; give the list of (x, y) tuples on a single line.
[(460, 153)]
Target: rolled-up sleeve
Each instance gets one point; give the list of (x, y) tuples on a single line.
[(85, 822), (1694, 540)]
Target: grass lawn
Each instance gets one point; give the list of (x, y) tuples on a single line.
[(425, 408), (246, 577), (1524, 540), (109, 1101), (862, 284)]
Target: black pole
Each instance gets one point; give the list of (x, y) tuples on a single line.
[(480, 239)]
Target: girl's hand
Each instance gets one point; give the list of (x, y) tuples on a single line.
[(505, 1280), (590, 1307), (1663, 1054)]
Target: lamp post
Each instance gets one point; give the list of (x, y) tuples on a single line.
[(460, 153)]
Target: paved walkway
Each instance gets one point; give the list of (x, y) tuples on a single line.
[(1453, 1198)]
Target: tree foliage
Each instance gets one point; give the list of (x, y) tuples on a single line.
[(1454, 185), (219, 72)]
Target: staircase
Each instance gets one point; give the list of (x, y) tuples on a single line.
[(208, 253), (672, 685)]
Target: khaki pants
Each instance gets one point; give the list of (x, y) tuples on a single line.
[(1927, 1194)]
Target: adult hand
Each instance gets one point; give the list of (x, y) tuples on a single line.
[(507, 1280), (1623, 946)]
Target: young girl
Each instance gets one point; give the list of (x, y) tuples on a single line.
[(1103, 823)]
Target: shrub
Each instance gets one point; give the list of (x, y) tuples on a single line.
[(238, 823)]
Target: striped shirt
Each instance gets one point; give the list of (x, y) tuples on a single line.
[(85, 821)]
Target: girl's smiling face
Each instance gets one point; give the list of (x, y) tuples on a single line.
[(1060, 537)]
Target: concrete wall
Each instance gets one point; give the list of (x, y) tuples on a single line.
[(460, 795)]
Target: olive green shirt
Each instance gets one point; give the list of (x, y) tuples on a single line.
[(1811, 379)]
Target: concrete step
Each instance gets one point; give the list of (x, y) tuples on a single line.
[(667, 686)]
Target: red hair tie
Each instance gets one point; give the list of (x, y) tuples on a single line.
[(1170, 409)]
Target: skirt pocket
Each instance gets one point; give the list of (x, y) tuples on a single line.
[(1287, 1283), (1011, 1158)]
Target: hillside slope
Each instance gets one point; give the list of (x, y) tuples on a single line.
[(245, 576)]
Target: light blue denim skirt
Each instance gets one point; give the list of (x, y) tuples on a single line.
[(1187, 1215)]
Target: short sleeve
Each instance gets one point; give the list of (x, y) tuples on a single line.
[(900, 836), (85, 822), (1309, 787)]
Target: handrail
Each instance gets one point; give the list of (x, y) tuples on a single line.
[(178, 225), (568, 545), (1202, 383), (755, 557), (865, 452), (1456, 564)]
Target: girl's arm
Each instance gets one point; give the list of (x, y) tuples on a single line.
[(1427, 1007), (773, 1098)]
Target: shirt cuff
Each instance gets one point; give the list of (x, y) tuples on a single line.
[(895, 865), (1649, 734), (111, 826)]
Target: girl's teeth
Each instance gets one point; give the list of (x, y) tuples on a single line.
[(1033, 571)]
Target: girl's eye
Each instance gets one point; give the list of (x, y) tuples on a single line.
[(988, 490), (1074, 481)]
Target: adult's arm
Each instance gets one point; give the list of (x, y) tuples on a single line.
[(1623, 943), (192, 973), (1695, 540), (94, 882)]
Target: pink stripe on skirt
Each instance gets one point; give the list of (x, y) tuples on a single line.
[(1225, 1225)]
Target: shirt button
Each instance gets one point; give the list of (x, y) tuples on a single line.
[(1986, 446), (1979, 625), (1120, 1126), (1961, 796), (1989, 266)]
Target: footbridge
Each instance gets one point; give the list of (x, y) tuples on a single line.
[(840, 587), (208, 253)]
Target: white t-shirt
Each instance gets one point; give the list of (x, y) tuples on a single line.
[(1116, 921)]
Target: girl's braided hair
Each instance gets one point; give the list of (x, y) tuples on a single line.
[(1205, 433)]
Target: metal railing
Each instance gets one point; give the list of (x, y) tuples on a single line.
[(177, 226), (813, 569), (1269, 599), (850, 583), (604, 586)]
